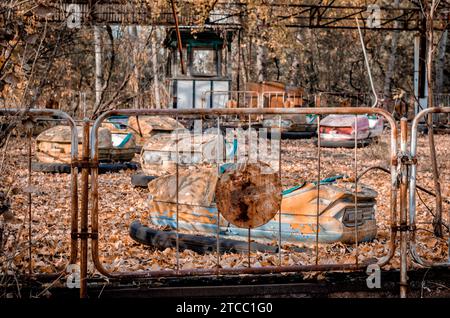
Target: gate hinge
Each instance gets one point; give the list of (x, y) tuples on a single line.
[(83, 235), (84, 164), (408, 160), (403, 228)]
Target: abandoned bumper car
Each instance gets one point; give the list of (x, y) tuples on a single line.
[(144, 127), (342, 130), (158, 155), (53, 149), (236, 198), (278, 95)]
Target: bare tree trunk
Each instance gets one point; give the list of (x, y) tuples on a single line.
[(440, 63), (98, 66), (392, 58), (246, 60), (294, 71), (311, 73), (155, 68), (437, 221), (136, 47), (260, 72)]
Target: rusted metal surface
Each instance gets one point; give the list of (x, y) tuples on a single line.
[(250, 196), (356, 187), (218, 214), (403, 210), (279, 214), (412, 190), (177, 186), (318, 189), (84, 211), (74, 214), (219, 112), (232, 271), (249, 234)]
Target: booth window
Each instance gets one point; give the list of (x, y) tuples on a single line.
[(204, 62)]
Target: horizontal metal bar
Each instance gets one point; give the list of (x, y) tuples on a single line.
[(238, 271), (245, 111)]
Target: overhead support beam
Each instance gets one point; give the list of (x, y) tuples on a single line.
[(229, 14)]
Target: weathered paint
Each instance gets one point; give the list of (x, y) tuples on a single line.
[(298, 218), (342, 127), (158, 155), (54, 144)]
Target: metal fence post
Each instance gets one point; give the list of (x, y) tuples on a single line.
[(84, 209), (403, 207)]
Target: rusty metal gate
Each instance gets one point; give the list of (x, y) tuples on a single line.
[(402, 169), (216, 114), (412, 159)]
